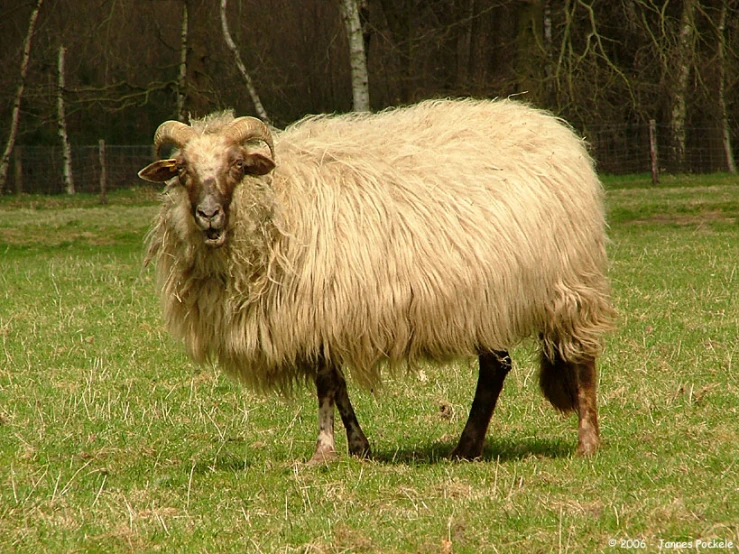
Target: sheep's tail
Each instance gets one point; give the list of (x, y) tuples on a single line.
[(558, 381)]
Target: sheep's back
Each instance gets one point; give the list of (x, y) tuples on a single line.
[(425, 233)]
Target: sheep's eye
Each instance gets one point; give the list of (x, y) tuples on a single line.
[(239, 164), (180, 168)]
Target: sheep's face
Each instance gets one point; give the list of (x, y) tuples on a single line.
[(210, 168)]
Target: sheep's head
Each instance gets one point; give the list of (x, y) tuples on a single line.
[(210, 166)]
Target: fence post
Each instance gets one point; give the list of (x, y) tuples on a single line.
[(18, 167), (653, 151), (103, 175)]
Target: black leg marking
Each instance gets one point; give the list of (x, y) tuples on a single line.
[(358, 444), (331, 391), (494, 366), (326, 391)]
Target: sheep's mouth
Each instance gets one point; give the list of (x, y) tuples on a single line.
[(214, 237)]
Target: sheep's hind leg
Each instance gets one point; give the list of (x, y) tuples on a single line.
[(494, 366), (588, 433), (331, 390), (358, 443), (571, 386)]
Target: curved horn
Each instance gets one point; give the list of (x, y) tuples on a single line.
[(173, 132), (244, 129)]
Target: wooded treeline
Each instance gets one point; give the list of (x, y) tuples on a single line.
[(608, 67)]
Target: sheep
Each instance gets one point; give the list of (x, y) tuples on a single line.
[(349, 245)]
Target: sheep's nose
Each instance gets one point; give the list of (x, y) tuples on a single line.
[(209, 212)]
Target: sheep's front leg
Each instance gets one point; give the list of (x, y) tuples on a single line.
[(331, 389), (494, 366), (326, 386)]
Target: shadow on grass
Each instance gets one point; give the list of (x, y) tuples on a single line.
[(495, 449)]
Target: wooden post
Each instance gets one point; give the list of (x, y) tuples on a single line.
[(653, 151), (18, 166), (103, 174)]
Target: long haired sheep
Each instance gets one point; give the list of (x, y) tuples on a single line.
[(362, 242)]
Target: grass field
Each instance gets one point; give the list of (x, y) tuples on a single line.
[(112, 441)]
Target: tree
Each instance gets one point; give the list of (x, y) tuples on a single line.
[(607, 67), (683, 60), (399, 16), (723, 111), (357, 55), (15, 117), (240, 65), (66, 148), (182, 77)]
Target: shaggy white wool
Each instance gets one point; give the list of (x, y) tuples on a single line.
[(428, 232)]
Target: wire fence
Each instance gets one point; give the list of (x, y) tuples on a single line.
[(625, 149), (617, 149), (39, 169)]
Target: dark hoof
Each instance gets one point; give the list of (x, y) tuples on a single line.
[(363, 454), (465, 454)]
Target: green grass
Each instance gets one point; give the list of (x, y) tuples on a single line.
[(112, 441)]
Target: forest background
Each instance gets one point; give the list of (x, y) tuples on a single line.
[(607, 67)]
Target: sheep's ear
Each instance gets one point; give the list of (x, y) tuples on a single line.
[(159, 171), (258, 164)]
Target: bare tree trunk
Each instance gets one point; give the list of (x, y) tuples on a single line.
[(398, 14), (18, 166), (103, 173), (5, 160), (357, 57), (548, 53), (684, 63), (653, 156), (364, 13), (261, 112), (464, 10), (725, 130), (528, 65), (182, 78), (66, 148)]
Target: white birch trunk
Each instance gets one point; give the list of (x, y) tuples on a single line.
[(261, 112), (357, 57), (182, 77), (15, 117), (725, 129), (63, 136), (678, 112)]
